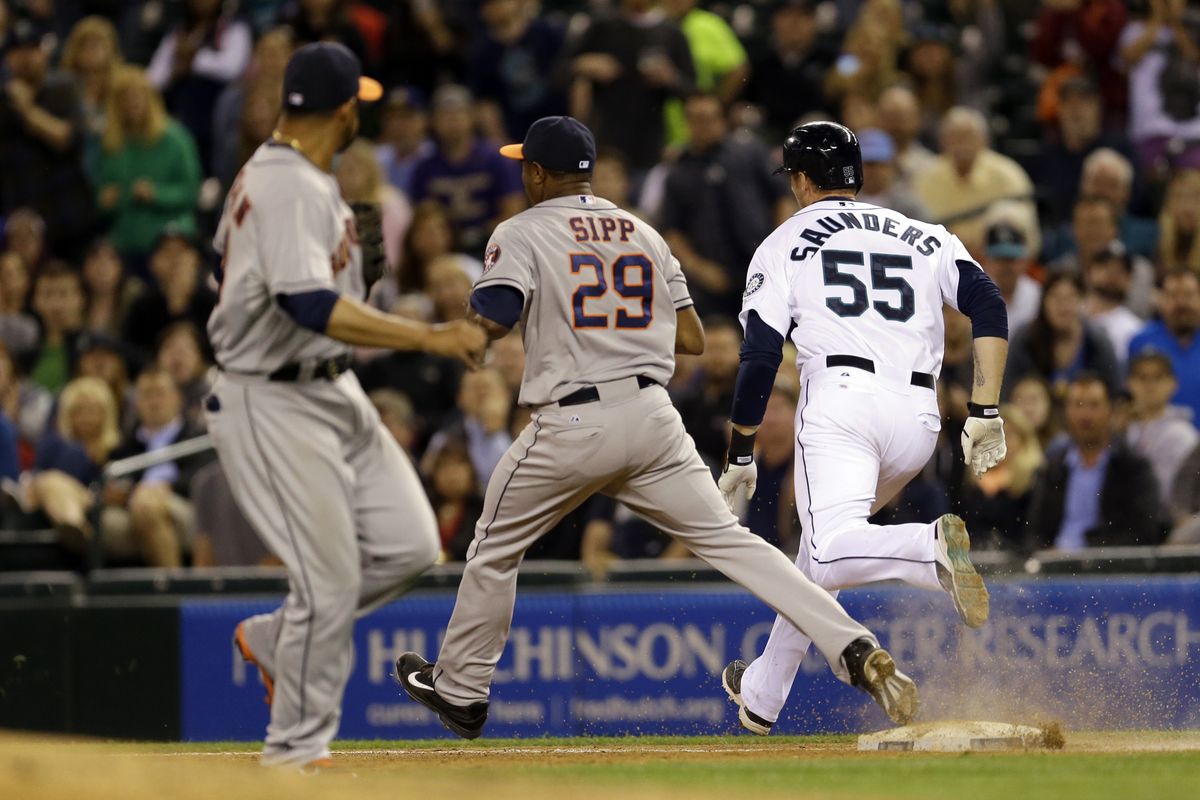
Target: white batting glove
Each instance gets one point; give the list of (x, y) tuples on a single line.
[(983, 439), (734, 478)]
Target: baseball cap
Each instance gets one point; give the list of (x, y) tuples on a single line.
[(24, 33), (1005, 240), (1153, 354), (876, 146), (173, 231), (1115, 251), (405, 98), (323, 75), (563, 144), (451, 96)]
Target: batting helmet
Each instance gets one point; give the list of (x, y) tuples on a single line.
[(827, 153)]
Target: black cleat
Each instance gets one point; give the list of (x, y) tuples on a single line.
[(731, 679), (415, 676), (873, 670)]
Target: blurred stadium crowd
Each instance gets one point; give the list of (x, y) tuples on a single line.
[(1059, 139)]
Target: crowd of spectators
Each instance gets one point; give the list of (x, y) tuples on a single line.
[(1059, 139)]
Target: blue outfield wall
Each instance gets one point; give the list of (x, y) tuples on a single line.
[(1091, 653)]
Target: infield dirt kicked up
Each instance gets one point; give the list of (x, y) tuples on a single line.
[(1091, 765)]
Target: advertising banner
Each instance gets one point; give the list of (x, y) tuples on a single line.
[(1090, 653)]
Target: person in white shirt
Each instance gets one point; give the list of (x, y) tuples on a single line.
[(1107, 277), (1006, 260)]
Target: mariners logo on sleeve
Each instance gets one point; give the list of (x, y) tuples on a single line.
[(754, 283), (491, 256)]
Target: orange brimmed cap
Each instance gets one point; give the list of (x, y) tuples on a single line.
[(563, 144)]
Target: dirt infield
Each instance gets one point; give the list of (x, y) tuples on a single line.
[(1108, 764)]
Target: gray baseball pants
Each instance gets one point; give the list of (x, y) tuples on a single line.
[(632, 446), (335, 498)]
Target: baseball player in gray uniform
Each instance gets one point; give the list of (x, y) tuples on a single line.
[(604, 308), (311, 466), (868, 418)]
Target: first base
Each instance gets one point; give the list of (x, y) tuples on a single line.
[(956, 737)]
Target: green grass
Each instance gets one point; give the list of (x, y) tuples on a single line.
[(777, 767)]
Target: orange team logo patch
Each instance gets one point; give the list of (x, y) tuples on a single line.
[(491, 256)]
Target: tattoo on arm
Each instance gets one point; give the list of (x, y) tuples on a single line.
[(979, 379)]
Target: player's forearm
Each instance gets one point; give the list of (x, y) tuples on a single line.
[(358, 324), (991, 353)]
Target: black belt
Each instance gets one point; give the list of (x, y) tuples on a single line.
[(922, 379), (590, 394), (327, 370)]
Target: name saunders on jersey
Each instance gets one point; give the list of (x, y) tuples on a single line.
[(860, 220), (754, 283)]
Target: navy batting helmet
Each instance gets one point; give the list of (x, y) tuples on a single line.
[(827, 153)]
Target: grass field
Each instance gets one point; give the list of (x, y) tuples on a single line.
[(1095, 765)]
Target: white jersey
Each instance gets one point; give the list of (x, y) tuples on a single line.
[(858, 279), (285, 230)]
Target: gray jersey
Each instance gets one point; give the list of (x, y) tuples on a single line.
[(285, 230), (601, 291)]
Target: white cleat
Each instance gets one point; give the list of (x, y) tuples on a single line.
[(957, 574)]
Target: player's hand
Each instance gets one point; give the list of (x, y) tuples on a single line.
[(460, 339), (734, 478), (983, 443)]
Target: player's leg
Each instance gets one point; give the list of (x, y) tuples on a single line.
[(673, 489), (288, 477), (550, 469), (396, 526), (849, 430)]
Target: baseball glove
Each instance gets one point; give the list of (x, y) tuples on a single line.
[(368, 221)]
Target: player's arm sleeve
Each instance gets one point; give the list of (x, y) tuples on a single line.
[(309, 309), (681, 298), (966, 287), (501, 293), (296, 244), (766, 319), (762, 352)]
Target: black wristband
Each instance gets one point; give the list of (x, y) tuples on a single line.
[(986, 412), (741, 449)]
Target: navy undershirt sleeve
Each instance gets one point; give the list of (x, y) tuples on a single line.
[(309, 309), (980, 299), (762, 352), (501, 304)]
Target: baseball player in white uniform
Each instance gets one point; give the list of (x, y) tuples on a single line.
[(604, 308), (859, 289), (311, 466)]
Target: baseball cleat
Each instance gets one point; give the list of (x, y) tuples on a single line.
[(731, 679), (415, 675), (957, 574), (873, 670), (242, 636)]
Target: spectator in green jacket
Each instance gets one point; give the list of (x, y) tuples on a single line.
[(718, 56), (148, 172)]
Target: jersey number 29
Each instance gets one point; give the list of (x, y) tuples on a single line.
[(642, 290), (881, 281)]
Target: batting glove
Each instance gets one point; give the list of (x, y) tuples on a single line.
[(983, 438), (740, 469)]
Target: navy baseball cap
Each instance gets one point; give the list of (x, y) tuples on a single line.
[(563, 144), (323, 75), (1005, 240)]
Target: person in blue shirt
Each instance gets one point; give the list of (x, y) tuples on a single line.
[(1093, 490), (478, 187), (1175, 335)]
